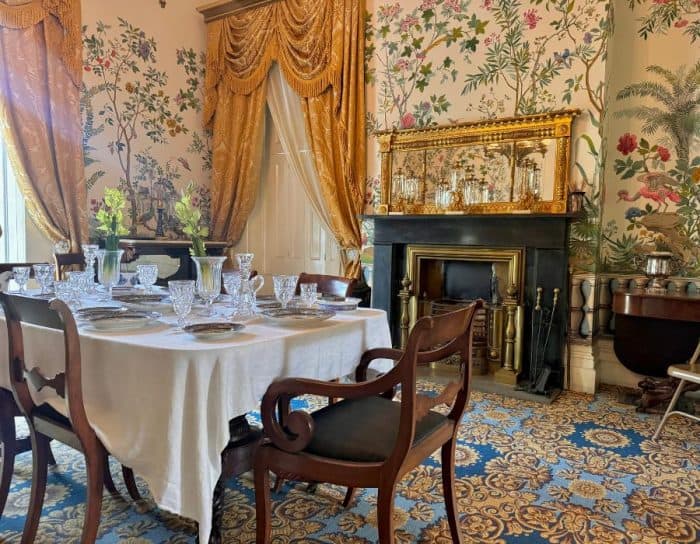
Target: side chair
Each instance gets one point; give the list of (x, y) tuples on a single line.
[(68, 261), (46, 422), (367, 439), (11, 445), (338, 286)]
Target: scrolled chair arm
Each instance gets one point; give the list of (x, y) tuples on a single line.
[(371, 355), (297, 431)]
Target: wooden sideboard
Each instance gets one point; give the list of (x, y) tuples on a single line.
[(176, 249)]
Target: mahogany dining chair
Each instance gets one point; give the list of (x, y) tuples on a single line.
[(45, 422), (367, 439), (327, 285)]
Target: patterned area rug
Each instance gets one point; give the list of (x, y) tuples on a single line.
[(580, 471)]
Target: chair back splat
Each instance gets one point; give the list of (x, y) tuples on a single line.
[(367, 439), (55, 315)]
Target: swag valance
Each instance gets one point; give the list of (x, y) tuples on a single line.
[(20, 14), (305, 37)]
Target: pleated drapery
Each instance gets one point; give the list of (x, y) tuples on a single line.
[(40, 77), (319, 46)]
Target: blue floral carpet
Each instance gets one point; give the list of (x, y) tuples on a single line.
[(582, 470)]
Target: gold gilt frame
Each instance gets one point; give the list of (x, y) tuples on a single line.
[(534, 128)]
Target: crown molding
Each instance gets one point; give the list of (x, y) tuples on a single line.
[(223, 8)]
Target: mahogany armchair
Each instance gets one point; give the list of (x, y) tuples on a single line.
[(367, 439), (45, 422), (68, 261)]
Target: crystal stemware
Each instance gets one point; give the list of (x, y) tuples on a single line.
[(64, 292), (308, 294), (21, 276), (148, 275), (79, 282), (284, 285), (209, 279), (109, 268), (182, 295), (44, 274), (232, 284)]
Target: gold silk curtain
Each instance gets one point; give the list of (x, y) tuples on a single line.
[(319, 46), (40, 78)]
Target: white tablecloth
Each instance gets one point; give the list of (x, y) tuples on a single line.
[(160, 401)]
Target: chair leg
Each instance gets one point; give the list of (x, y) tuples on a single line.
[(95, 466), (671, 406), (40, 447), (52, 459), (385, 514), (349, 496), (108, 481), (448, 488), (278, 483), (130, 482), (7, 439), (263, 510)]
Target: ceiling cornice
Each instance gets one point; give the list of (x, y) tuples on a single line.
[(223, 8)]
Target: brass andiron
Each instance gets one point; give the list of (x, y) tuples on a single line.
[(405, 297)]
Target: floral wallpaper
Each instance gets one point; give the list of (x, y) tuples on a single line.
[(141, 106), (448, 61), (653, 173)]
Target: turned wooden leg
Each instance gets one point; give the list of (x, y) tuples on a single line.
[(93, 507), (385, 514), (108, 481), (262, 504), (52, 459), (448, 489), (130, 482), (40, 446), (349, 496), (8, 437)]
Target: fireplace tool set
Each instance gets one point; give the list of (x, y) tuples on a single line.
[(542, 319)]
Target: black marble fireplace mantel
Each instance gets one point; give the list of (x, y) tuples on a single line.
[(544, 239)]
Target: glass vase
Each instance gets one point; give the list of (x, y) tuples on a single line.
[(209, 279), (109, 268)]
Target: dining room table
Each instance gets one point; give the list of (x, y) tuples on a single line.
[(162, 401)]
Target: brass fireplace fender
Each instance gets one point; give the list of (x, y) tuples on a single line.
[(507, 321)]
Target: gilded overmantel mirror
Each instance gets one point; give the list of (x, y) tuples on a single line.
[(515, 165)]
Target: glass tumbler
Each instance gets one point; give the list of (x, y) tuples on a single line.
[(285, 286), (308, 293)]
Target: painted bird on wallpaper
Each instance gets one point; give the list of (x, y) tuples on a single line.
[(656, 186)]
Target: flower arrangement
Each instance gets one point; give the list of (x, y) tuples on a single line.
[(110, 218), (190, 216)]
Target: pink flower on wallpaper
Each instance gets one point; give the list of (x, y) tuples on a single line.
[(408, 121), (389, 11), (420, 55), (664, 154), (531, 18), (428, 4), (401, 65), (491, 38), (627, 143), (681, 23), (408, 22), (453, 5), (487, 4)]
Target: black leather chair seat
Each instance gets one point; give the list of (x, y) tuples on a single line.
[(364, 430)]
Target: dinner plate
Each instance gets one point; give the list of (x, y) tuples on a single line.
[(214, 330), (145, 302), (296, 316), (126, 320), (341, 305), (99, 311)]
